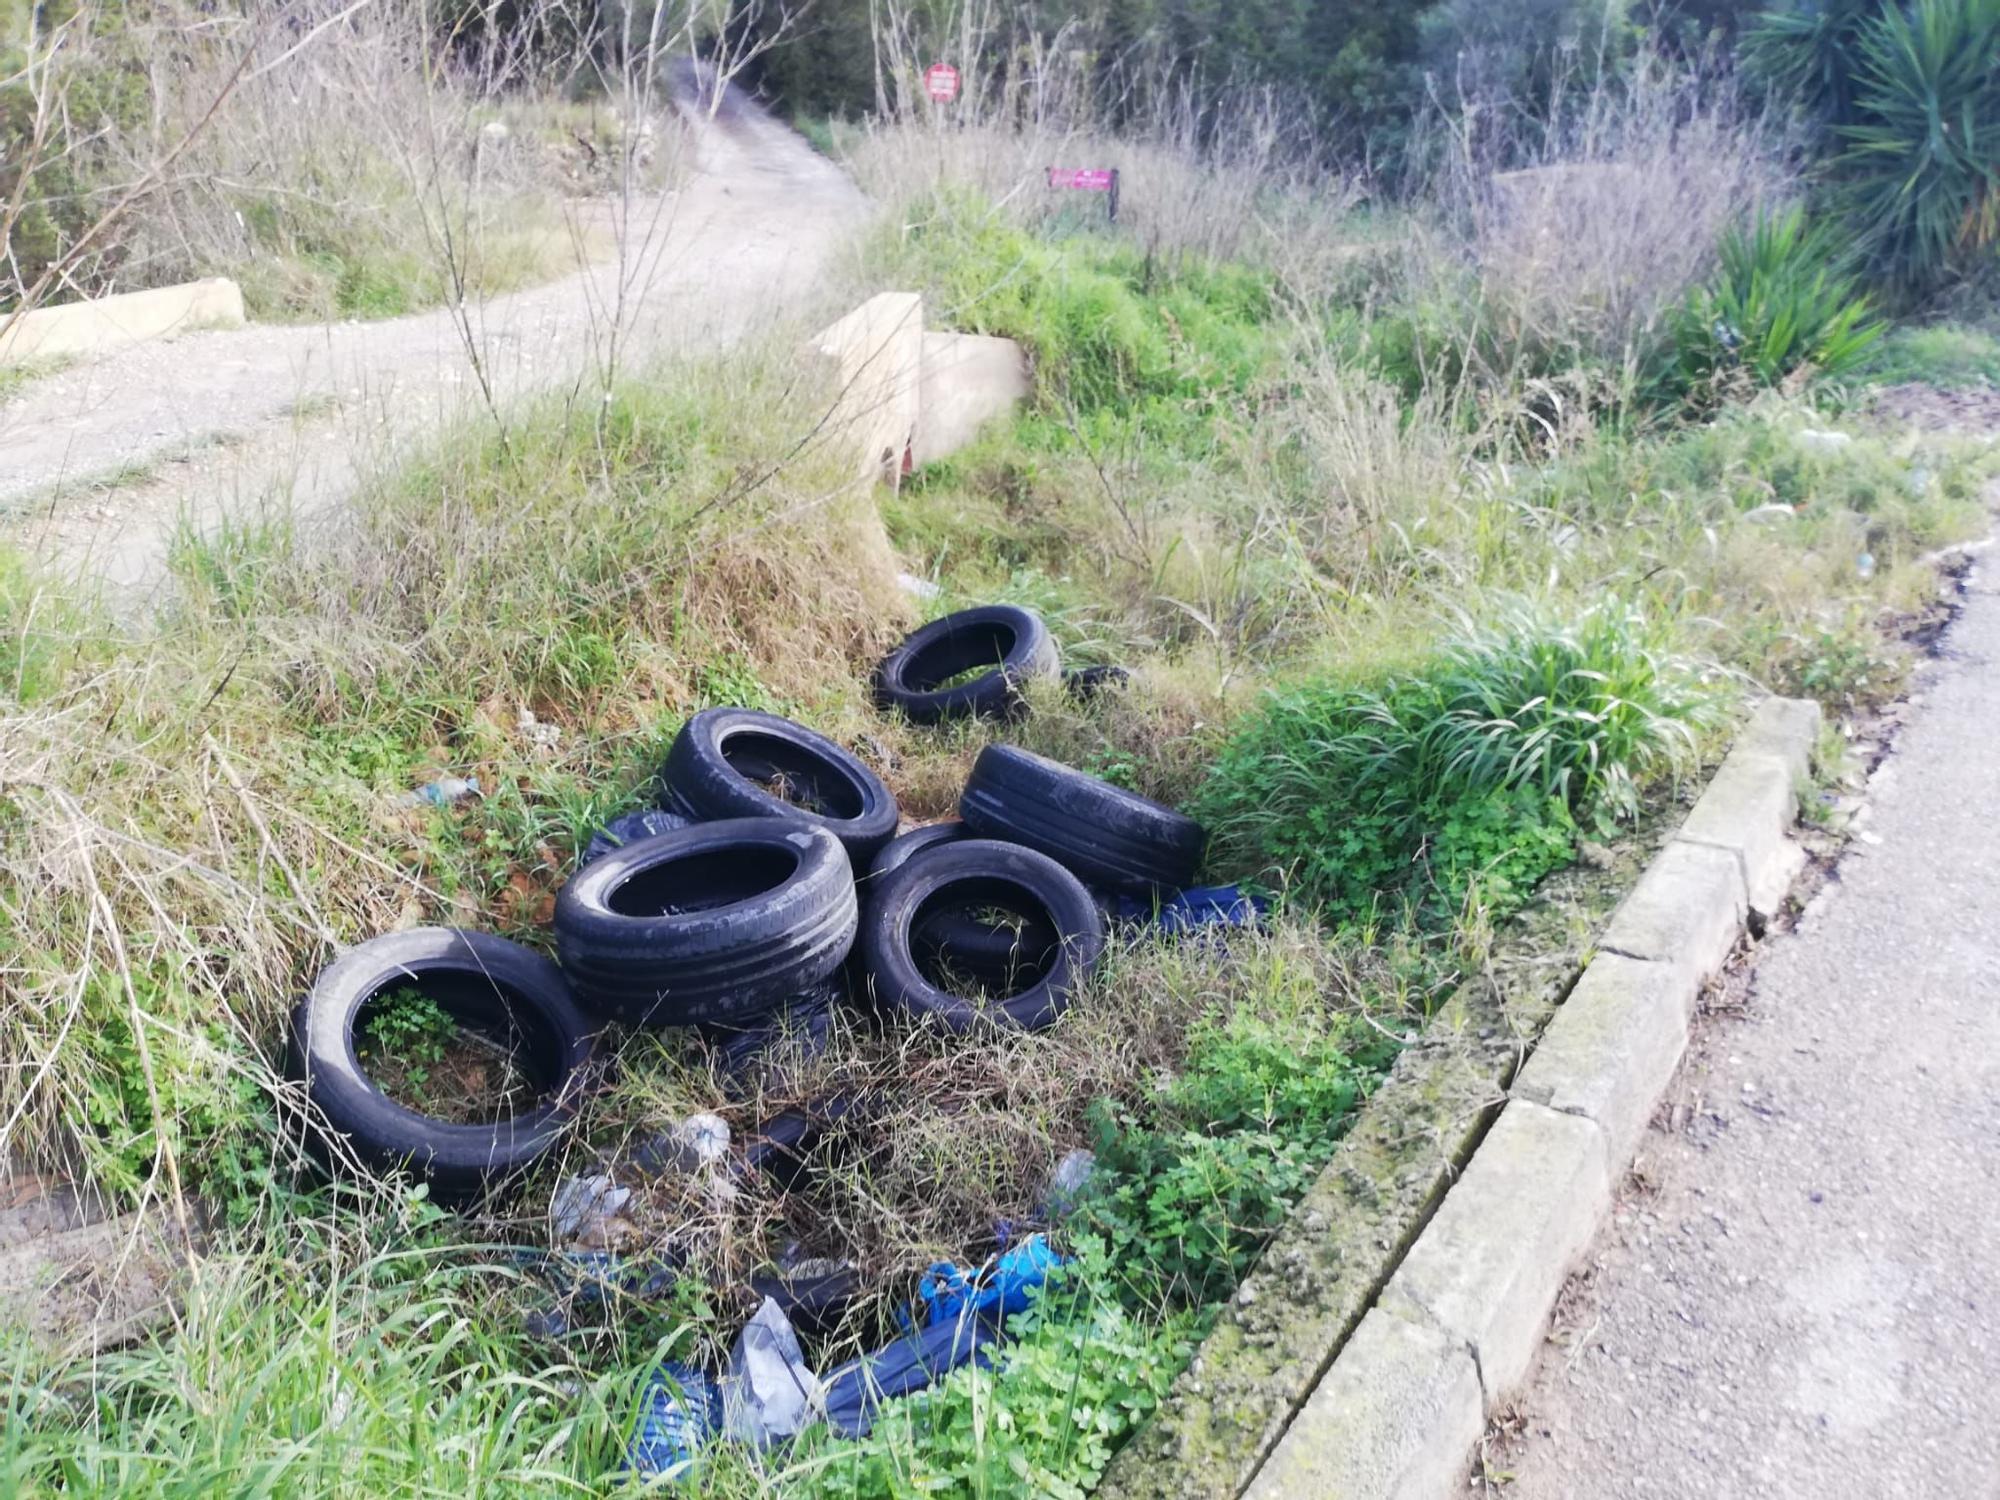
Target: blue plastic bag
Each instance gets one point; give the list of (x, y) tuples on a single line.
[(994, 1293), (1191, 910), (680, 1412), (629, 828), (855, 1392)]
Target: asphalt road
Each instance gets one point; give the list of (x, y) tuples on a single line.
[(1800, 1296)]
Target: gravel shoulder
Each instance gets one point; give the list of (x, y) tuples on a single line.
[(1799, 1292), (100, 463)]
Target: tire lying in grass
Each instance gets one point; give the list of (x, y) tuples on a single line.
[(711, 924), (1012, 644), (973, 874), (485, 984), (1103, 833), (739, 763), (899, 849), (995, 954)]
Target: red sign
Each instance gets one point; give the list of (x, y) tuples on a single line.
[(1089, 179), (941, 82)]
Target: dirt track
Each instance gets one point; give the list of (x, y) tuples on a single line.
[(99, 464)]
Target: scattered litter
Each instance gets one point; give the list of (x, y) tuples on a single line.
[(543, 739), (1813, 440), (584, 1208), (769, 1392), (685, 1148), (951, 1293), (680, 1411), (1066, 1185), (1865, 565), (1771, 512), (796, 1032), (629, 828), (919, 588), (1196, 907), (441, 793), (588, 1279), (856, 1391)]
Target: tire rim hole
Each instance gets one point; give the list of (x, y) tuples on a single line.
[(702, 880), (794, 774), (461, 1048), (1013, 947), (957, 658)]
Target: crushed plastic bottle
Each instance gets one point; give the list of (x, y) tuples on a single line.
[(1066, 1184), (441, 793), (1865, 566), (686, 1147)]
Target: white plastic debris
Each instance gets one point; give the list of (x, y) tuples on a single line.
[(1066, 1183), (1814, 440), (701, 1140), (441, 793), (919, 588), (583, 1207), (769, 1393)]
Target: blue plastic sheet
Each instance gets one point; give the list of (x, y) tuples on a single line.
[(629, 828), (680, 1411), (1198, 907), (856, 1391), (994, 1292)]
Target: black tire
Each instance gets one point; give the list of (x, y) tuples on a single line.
[(995, 956), (713, 923), (899, 849), (1103, 833), (482, 981), (724, 760), (1088, 682), (979, 872), (813, 1302), (1012, 641)]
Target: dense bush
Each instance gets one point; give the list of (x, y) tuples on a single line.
[(1907, 98), (1780, 305), (1463, 775)]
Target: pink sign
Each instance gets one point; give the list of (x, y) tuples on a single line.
[(1089, 179), (941, 82)]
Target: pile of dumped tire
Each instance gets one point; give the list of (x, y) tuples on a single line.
[(787, 876)]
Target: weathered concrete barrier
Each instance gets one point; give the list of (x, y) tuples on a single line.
[(907, 397), (1407, 1295), (105, 323)]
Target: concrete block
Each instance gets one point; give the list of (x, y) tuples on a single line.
[(1786, 728), (1487, 1269), (1747, 810), (1612, 1049), (1393, 1420), (877, 357), (1688, 908), (107, 323), (968, 380)]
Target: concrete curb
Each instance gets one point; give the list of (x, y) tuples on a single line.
[(128, 318), (1457, 1326)]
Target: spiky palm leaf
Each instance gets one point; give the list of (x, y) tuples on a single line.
[(1921, 164)]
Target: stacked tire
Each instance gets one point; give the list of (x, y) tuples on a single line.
[(776, 869)]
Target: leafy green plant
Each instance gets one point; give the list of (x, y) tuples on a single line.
[(1779, 306), (1921, 159), (411, 1027), (1908, 100), (1415, 785)]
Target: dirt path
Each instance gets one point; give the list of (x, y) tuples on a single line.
[(1800, 1292), (99, 464)]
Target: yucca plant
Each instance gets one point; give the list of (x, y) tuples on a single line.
[(1782, 303), (1920, 168)]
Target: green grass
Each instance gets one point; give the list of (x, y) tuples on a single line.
[(1940, 354), (1311, 577)]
